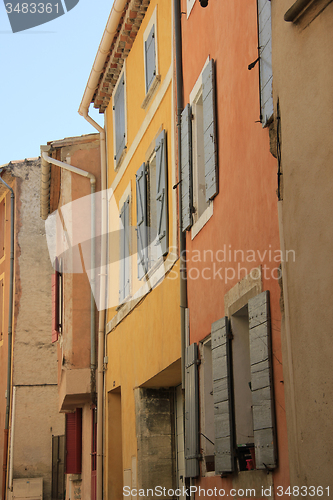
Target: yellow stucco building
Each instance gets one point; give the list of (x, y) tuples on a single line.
[(143, 397)]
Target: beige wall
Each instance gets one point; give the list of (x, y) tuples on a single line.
[(303, 83)]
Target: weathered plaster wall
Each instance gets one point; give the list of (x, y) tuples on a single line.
[(303, 80), (36, 415)]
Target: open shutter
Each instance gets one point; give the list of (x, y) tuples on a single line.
[(221, 360), (119, 110), (74, 442), (265, 60), (186, 167), (192, 454), (261, 381), (150, 58), (55, 306), (162, 192), (142, 220), (210, 144), (124, 288)]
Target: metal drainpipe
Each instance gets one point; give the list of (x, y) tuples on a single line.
[(10, 328), (92, 178), (182, 236)]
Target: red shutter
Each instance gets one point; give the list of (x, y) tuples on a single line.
[(74, 442), (55, 306)]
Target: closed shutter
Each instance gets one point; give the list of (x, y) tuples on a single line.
[(221, 361), (55, 306), (119, 110), (124, 252), (74, 442), (162, 193), (186, 167), (265, 60), (150, 58), (261, 381), (142, 220), (191, 412), (210, 144), (58, 467)]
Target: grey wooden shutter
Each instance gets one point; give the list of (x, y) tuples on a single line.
[(221, 361), (142, 220), (186, 167), (191, 412), (210, 144), (119, 110), (261, 381), (265, 60), (124, 288), (162, 192), (150, 58)]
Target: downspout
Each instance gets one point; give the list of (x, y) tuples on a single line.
[(11, 453), (48, 159), (182, 235), (10, 328)]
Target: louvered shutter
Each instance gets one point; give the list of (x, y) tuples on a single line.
[(186, 167), (265, 60), (124, 252), (210, 144), (119, 110), (74, 442), (191, 412), (142, 220), (261, 381), (221, 361), (55, 306), (162, 193), (150, 58)]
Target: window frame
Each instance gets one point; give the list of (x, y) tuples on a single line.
[(150, 90), (118, 161), (198, 221)]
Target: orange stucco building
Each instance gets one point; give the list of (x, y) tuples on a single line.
[(232, 249)]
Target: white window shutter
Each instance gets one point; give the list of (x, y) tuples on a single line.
[(191, 412), (142, 221), (223, 418), (162, 193), (210, 141), (265, 60), (261, 382), (186, 167), (119, 110)]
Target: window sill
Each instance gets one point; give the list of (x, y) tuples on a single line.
[(203, 219), (151, 91)]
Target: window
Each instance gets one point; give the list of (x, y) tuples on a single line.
[(239, 352), (152, 78), (74, 442), (124, 279), (265, 61), (57, 302), (199, 149), (119, 120), (150, 58), (152, 208)]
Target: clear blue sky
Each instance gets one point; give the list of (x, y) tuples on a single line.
[(44, 72)]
